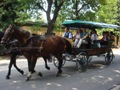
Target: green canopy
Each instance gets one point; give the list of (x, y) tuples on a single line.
[(87, 24)]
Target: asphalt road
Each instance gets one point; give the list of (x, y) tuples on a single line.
[(97, 77)]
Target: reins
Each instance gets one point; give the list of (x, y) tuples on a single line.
[(42, 38)]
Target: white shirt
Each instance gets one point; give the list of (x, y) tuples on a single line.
[(94, 37), (68, 35), (77, 36)]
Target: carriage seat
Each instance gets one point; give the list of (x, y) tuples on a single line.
[(70, 40)]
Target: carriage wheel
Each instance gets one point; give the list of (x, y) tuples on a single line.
[(89, 58), (109, 57), (56, 62), (82, 62)]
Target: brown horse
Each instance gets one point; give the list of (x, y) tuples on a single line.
[(24, 36), (39, 47), (12, 53)]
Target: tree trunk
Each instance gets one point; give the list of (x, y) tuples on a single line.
[(51, 22), (50, 29)]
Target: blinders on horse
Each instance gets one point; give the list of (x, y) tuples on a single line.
[(7, 35)]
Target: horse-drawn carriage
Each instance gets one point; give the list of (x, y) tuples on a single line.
[(34, 46), (84, 55)]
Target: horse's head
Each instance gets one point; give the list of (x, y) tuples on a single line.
[(14, 32), (7, 34)]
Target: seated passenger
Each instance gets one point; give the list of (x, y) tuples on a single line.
[(94, 38), (77, 37), (83, 38), (104, 40), (67, 33), (112, 36)]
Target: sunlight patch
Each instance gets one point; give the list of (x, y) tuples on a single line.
[(74, 89), (117, 71)]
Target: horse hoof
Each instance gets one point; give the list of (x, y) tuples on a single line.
[(22, 72), (33, 71), (7, 77), (58, 74), (48, 68), (40, 74), (28, 78)]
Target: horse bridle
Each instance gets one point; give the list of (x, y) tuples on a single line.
[(9, 32)]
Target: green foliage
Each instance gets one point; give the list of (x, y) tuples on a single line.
[(107, 13), (118, 18), (79, 9), (7, 10), (17, 11)]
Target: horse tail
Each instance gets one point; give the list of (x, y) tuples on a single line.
[(68, 47)]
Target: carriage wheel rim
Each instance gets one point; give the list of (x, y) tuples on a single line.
[(82, 58), (109, 59)]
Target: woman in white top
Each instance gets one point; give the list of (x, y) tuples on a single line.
[(83, 39), (77, 37), (94, 38)]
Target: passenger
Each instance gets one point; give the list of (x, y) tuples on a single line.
[(112, 36), (83, 38), (94, 38), (104, 40), (77, 37), (67, 33), (108, 35), (105, 36)]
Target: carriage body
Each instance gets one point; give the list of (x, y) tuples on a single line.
[(84, 55)]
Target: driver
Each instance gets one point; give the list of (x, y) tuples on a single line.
[(67, 33)]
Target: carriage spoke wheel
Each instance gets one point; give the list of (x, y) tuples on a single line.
[(82, 62), (109, 57), (56, 62)]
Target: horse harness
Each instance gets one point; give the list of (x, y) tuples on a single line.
[(42, 38)]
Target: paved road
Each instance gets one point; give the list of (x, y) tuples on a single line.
[(97, 77)]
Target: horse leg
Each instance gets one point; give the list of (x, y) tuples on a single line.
[(31, 65), (46, 66), (13, 61), (9, 69), (59, 65)]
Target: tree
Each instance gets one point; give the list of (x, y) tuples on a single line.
[(80, 10), (17, 11), (108, 12), (6, 10), (60, 10), (53, 8), (118, 17)]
